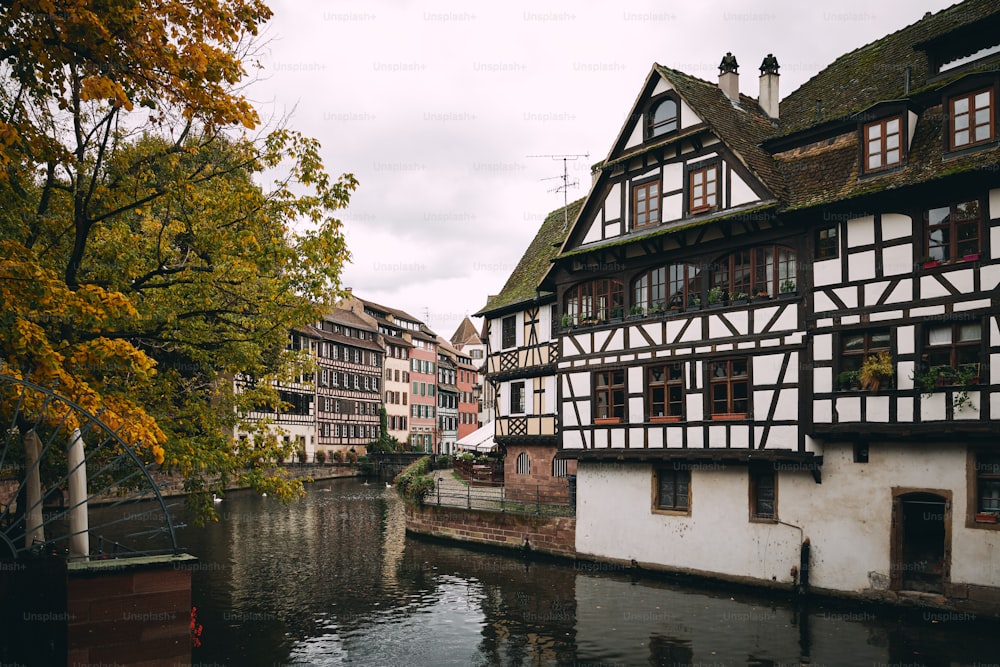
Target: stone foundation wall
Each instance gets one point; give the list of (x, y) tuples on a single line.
[(129, 612), (554, 536)]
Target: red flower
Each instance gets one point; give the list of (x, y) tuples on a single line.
[(196, 628)]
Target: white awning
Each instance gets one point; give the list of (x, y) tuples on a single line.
[(480, 440)]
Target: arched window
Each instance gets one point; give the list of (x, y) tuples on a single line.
[(764, 271), (662, 118), (594, 301), (671, 287), (523, 464)]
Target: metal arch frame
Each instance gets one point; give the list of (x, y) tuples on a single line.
[(112, 435)]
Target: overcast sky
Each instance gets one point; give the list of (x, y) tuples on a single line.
[(440, 109)]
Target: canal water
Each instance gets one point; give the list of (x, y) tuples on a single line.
[(334, 580)]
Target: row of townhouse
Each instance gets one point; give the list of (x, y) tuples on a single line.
[(769, 338), (368, 357)]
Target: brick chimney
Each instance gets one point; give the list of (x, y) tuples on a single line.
[(729, 78), (768, 98)]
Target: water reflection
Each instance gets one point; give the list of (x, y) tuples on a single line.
[(334, 580)]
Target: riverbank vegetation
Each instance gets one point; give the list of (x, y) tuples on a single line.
[(144, 263)]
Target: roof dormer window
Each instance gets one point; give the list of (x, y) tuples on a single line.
[(971, 119), (884, 147)]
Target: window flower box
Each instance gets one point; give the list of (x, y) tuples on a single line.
[(986, 517), (931, 263), (729, 416), (607, 420), (971, 258), (659, 419)]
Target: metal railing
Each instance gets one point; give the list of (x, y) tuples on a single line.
[(522, 499)]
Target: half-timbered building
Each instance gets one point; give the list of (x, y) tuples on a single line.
[(349, 382), (521, 330), (779, 323), (396, 387)]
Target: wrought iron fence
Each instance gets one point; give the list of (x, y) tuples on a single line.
[(522, 499)]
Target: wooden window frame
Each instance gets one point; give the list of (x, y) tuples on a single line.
[(973, 350), (508, 332), (699, 203), (760, 270), (672, 378), (964, 121), (757, 477), (609, 291), (868, 348), (652, 127), (881, 147), (681, 502), (517, 396), (729, 380), (827, 245), (651, 191), (952, 227), (983, 469), (612, 389)]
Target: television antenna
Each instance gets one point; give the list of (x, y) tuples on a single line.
[(566, 183)]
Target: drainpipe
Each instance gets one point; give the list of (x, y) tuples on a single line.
[(804, 551)]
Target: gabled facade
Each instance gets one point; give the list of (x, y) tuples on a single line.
[(779, 322), (396, 385), (349, 382), (522, 323), (423, 391), (471, 361), (447, 395)]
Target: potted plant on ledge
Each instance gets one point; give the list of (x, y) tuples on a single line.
[(848, 381), (787, 288), (715, 295), (875, 369)]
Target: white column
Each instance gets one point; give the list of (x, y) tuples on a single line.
[(79, 527), (33, 530)]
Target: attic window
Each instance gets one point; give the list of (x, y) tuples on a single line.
[(971, 118), (662, 118), (978, 55), (883, 144)]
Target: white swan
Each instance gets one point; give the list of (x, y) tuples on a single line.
[(216, 499)]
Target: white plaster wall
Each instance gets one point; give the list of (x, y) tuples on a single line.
[(673, 176), (613, 202), (594, 233), (826, 272), (897, 260), (614, 519), (688, 116), (896, 226), (861, 231), (847, 518), (740, 192)]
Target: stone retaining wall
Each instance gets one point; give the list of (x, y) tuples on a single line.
[(550, 535)]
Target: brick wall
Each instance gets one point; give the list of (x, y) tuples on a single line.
[(129, 615), (549, 535), (553, 490)]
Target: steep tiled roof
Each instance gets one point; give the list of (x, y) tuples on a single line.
[(828, 171), (741, 128), (534, 264), (875, 72), (465, 334)]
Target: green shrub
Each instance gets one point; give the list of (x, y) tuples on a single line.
[(352, 456), (338, 456), (320, 457), (413, 483)]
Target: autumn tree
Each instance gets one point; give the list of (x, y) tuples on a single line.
[(143, 265)]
